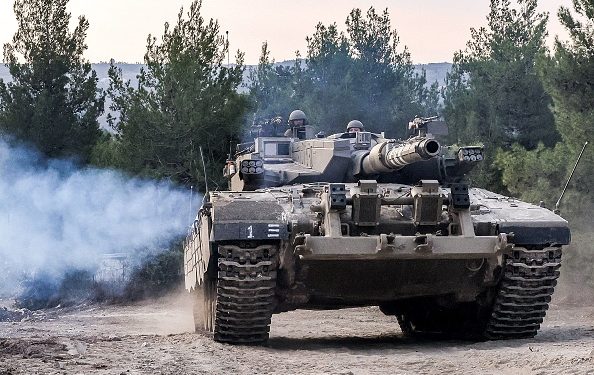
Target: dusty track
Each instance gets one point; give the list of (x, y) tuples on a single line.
[(155, 338)]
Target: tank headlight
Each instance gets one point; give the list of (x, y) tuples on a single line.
[(252, 166), (470, 154)]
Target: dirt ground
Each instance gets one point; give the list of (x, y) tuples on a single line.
[(155, 338)]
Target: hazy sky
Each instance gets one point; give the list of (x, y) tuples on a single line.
[(432, 29)]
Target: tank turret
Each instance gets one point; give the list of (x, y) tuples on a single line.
[(272, 160)]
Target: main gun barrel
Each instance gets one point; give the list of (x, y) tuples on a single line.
[(390, 156)]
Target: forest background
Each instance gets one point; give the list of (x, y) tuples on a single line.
[(532, 107)]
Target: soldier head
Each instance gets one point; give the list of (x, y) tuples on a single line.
[(297, 119), (355, 126)]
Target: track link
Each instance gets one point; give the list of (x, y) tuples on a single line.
[(245, 293), (528, 281)]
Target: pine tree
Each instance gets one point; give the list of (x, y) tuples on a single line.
[(360, 74), (186, 98), (53, 101), (272, 87), (494, 92), (363, 75), (567, 76)]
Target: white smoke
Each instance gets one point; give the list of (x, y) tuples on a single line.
[(55, 216)]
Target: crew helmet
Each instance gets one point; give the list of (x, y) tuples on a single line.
[(297, 115), (355, 124)]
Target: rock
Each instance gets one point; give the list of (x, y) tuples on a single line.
[(74, 347), (80, 347)]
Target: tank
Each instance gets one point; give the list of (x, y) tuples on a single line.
[(358, 219)]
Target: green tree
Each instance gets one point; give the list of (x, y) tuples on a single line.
[(541, 173), (362, 75), (272, 87), (328, 95), (567, 76), (494, 93), (186, 98), (53, 100)]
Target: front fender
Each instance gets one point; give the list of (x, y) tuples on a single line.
[(248, 216)]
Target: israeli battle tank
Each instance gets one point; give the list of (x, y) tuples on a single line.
[(357, 219)]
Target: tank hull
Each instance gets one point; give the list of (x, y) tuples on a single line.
[(329, 246), (361, 282)]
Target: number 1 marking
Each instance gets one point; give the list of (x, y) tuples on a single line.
[(250, 230)]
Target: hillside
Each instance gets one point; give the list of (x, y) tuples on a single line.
[(434, 72)]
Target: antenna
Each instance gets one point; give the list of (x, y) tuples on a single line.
[(204, 171), (228, 60), (556, 210), (191, 196)]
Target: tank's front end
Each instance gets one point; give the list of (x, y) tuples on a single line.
[(384, 244)]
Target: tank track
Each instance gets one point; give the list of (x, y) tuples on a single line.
[(527, 284), (245, 293), (518, 306)]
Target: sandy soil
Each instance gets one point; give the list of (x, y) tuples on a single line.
[(155, 338)]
